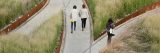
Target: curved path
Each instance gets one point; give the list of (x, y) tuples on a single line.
[(79, 41), (53, 7), (102, 41)]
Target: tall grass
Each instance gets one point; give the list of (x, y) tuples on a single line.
[(42, 40), (91, 6), (12, 9), (103, 10), (151, 33), (116, 9)]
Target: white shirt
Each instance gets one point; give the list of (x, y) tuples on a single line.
[(84, 13), (74, 15)]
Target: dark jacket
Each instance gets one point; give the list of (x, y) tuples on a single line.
[(109, 24)]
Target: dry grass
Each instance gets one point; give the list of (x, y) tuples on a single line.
[(42, 40), (12, 9), (119, 45), (152, 28), (141, 38)]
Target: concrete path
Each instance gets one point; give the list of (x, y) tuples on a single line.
[(79, 41), (102, 41), (74, 43), (53, 7)]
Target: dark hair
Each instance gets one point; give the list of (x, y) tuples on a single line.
[(110, 20), (83, 6), (74, 7), (109, 24)]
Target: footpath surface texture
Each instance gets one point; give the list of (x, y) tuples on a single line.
[(78, 41), (53, 7), (99, 44)]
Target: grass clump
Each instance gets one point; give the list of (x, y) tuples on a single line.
[(42, 40), (151, 33)]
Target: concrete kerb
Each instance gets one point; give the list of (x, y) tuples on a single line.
[(64, 32), (62, 37)]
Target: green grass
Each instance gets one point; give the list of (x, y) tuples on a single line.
[(12, 9), (92, 7), (43, 40), (101, 10)]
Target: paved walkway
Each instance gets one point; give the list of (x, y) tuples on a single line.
[(53, 7), (79, 41), (102, 41)]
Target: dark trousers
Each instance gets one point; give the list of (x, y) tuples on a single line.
[(83, 22), (109, 38), (73, 25)]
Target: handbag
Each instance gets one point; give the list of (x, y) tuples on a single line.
[(111, 31)]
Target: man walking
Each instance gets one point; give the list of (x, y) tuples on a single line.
[(84, 15), (73, 17)]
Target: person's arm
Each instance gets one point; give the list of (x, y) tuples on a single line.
[(113, 25), (88, 13), (71, 15), (79, 13)]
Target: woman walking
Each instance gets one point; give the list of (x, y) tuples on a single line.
[(84, 15), (110, 27), (73, 17)]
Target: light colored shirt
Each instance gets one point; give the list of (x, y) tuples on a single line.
[(74, 15), (84, 13)]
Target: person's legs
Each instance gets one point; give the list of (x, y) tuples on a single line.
[(109, 38), (71, 27), (82, 23), (85, 22), (74, 25)]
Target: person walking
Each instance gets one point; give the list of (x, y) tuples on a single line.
[(84, 14), (73, 18), (110, 26)]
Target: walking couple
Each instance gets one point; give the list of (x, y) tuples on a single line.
[(75, 14)]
